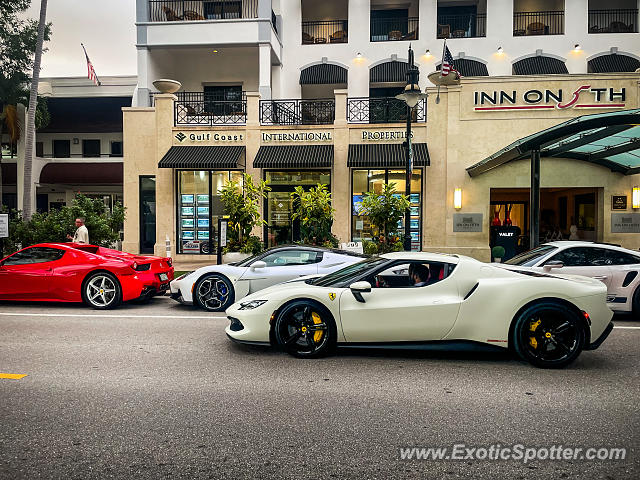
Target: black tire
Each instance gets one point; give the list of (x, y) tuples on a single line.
[(213, 292), (102, 291), (635, 304), (305, 329), (548, 335)]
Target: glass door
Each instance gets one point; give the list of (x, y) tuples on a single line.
[(147, 214), (193, 212)]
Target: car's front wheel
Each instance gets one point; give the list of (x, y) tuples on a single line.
[(305, 330), (548, 335), (214, 293), (102, 291)]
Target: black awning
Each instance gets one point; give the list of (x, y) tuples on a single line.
[(388, 72), (539, 65), (615, 62), (386, 155), (323, 74), (82, 173), (204, 157), (294, 156)]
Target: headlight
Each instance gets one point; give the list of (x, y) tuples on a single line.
[(252, 304)]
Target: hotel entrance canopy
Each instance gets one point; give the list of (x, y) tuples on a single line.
[(609, 139)]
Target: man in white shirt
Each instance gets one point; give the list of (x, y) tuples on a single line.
[(82, 234)]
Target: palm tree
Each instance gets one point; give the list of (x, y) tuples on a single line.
[(8, 118), (31, 118)]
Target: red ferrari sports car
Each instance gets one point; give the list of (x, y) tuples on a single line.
[(68, 272)]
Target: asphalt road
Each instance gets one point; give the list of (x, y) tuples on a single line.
[(158, 391)]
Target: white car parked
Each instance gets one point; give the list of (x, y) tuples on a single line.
[(427, 300), (617, 267), (216, 287)]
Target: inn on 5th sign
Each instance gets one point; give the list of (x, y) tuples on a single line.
[(584, 96)]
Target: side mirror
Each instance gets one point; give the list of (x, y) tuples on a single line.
[(552, 264), (258, 264), (358, 288)]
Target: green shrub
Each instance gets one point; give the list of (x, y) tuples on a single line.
[(385, 210), (497, 251), (313, 209), (54, 226)]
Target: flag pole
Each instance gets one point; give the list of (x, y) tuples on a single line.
[(88, 62), (444, 46)]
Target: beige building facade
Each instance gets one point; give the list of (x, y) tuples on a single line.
[(172, 172)]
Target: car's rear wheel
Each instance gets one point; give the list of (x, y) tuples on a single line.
[(305, 330), (635, 303), (214, 293), (548, 335), (102, 291)]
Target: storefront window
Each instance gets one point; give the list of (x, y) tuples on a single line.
[(280, 228), (199, 208), (372, 181)]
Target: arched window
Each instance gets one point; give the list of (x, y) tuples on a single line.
[(469, 68), (539, 65), (615, 62)]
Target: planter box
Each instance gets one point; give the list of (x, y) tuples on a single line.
[(233, 257)]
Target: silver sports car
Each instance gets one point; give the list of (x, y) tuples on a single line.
[(216, 287)]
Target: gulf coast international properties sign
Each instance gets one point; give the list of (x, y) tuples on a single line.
[(585, 96)]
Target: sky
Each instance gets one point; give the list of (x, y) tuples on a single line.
[(106, 27)]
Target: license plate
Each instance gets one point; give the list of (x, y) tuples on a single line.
[(163, 277)]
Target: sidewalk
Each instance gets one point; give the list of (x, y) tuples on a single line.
[(189, 266)]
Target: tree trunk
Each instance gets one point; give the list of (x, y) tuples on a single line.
[(27, 208), (1, 131)]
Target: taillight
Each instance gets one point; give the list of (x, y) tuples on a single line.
[(169, 261)]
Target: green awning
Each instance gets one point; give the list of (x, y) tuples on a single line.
[(609, 139)]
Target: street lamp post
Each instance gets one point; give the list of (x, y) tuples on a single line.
[(411, 96)]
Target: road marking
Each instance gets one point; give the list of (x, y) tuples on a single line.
[(629, 328), (9, 314), (13, 376)]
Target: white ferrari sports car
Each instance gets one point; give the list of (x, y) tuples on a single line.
[(216, 287), (422, 300), (618, 268)]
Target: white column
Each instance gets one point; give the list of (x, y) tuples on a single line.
[(264, 80), (576, 25), (358, 77), (499, 32), (144, 83)]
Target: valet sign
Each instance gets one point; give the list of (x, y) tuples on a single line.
[(583, 97)]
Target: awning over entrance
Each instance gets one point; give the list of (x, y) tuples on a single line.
[(204, 157), (80, 173), (389, 72), (294, 156), (323, 74), (609, 139), (388, 155)]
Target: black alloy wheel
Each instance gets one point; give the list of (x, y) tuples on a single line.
[(305, 330), (214, 293)]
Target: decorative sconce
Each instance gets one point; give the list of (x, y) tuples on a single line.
[(457, 198), (635, 197)]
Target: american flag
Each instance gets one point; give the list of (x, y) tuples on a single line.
[(91, 73), (447, 62)]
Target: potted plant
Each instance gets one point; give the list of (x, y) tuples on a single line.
[(241, 205), (497, 253), (385, 211), (313, 209)]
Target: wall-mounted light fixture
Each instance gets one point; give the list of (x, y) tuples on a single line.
[(76, 141), (635, 197), (577, 47), (358, 55), (500, 51), (457, 198), (427, 52)]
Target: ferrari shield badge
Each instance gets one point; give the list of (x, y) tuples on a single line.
[(332, 296)]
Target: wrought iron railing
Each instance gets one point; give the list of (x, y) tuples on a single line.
[(200, 108), (190, 10), (388, 29), (328, 31), (297, 112), (383, 110), (538, 23), (469, 25), (613, 21)]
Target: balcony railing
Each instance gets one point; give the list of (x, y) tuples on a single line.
[(462, 26), (383, 110), (388, 29), (328, 31), (613, 21), (199, 108), (538, 23), (298, 112), (191, 10)]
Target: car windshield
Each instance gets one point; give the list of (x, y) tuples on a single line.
[(531, 257), (346, 275), (247, 261)]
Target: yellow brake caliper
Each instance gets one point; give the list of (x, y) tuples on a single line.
[(532, 327), (317, 336)]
